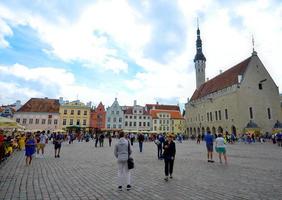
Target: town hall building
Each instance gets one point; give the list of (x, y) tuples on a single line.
[(242, 97)]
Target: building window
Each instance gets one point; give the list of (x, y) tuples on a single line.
[(161, 115), (167, 128), (161, 121), (211, 116), (117, 112), (148, 124), (108, 126), (115, 119), (71, 121), (140, 117), (216, 115), (64, 122), (155, 121), (85, 112), (24, 121), (260, 86), (36, 121), (134, 124), (126, 123), (251, 112), (126, 117), (120, 119), (114, 126), (130, 123), (18, 120), (78, 122), (119, 126), (84, 122), (134, 117), (43, 121), (65, 112), (208, 117), (30, 121), (144, 117), (113, 112), (155, 128), (78, 112), (226, 114), (49, 121), (219, 115), (268, 113), (135, 111), (72, 112), (140, 123)]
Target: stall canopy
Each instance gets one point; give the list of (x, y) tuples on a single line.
[(277, 127), (6, 123), (252, 127)]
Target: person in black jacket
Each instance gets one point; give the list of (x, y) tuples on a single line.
[(169, 156)]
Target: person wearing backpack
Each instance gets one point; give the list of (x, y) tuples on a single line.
[(122, 151)]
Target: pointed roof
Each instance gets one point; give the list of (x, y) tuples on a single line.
[(224, 80), (41, 105)]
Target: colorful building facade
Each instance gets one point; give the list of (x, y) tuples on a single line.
[(98, 117)]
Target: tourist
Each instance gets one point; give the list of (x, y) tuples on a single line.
[(279, 139), (37, 139), (96, 139), (29, 148), (122, 151), (42, 142), (198, 139), (140, 139), (220, 148), (132, 137), (22, 142), (101, 140), (110, 139), (58, 139), (209, 145), (169, 156)]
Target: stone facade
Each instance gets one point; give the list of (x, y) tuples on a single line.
[(115, 116), (229, 101), (136, 118)]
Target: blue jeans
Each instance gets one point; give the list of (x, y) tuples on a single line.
[(140, 146)]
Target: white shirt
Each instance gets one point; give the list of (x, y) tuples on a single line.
[(219, 142), (43, 139)]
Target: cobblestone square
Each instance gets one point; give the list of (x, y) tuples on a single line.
[(85, 172)]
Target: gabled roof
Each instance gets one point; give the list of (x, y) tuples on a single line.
[(41, 105), (224, 80), (162, 107), (174, 114), (129, 110)]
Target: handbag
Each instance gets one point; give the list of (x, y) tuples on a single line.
[(130, 161)]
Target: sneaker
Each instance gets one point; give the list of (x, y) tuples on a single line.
[(212, 161), (166, 178), (120, 188), (128, 187), (170, 177), (58, 156)]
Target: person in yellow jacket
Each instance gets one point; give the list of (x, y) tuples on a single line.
[(22, 142)]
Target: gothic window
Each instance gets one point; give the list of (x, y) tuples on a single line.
[(251, 112), (260, 86), (268, 113)]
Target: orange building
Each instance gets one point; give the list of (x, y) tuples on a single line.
[(98, 117)]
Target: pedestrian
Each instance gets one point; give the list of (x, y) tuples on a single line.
[(140, 139), (220, 148), (58, 139), (209, 145), (43, 140), (169, 156), (122, 151), (96, 139), (29, 148), (101, 140), (279, 139), (131, 136), (199, 139), (110, 139)]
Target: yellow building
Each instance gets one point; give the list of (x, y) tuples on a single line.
[(178, 124), (74, 113)]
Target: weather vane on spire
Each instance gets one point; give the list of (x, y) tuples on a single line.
[(253, 42)]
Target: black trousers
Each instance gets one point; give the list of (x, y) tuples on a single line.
[(168, 166)]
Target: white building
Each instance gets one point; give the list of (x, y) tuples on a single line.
[(136, 118), (115, 116), (39, 114)]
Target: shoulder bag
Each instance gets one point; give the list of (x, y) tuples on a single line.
[(130, 161)]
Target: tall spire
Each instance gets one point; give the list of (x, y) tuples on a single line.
[(199, 55), (254, 53)]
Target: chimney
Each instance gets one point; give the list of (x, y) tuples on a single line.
[(220, 71)]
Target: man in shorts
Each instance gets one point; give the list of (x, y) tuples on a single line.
[(58, 139), (42, 142), (209, 145)]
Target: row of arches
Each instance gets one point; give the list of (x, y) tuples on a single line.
[(200, 131)]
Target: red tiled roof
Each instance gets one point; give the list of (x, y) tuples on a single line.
[(224, 80), (174, 114), (41, 105), (162, 107)]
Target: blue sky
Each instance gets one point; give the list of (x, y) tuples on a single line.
[(144, 50)]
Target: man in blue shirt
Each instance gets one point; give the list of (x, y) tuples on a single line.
[(209, 144)]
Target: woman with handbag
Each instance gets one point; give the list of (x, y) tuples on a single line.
[(122, 152), (169, 156)]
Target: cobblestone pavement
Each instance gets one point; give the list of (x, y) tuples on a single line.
[(85, 172)]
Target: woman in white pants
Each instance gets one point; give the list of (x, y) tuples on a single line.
[(122, 152)]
